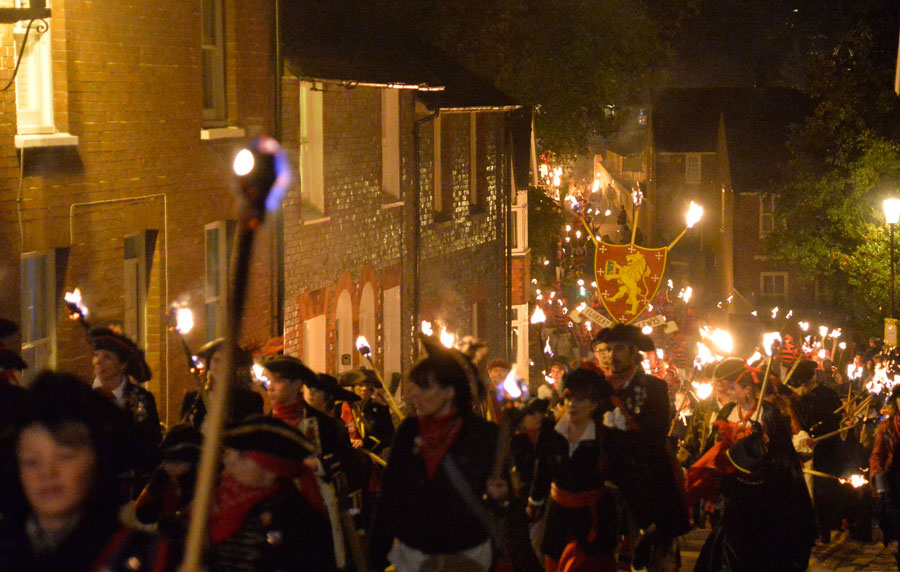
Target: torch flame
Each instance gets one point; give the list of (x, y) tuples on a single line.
[(448, 340), (754, 358), (538, 316), (184, 320), (74, 299), (803, 326), (694, 214), (855, 481), (768, 339), (511, 385), (260, 375), (547, 349), (774, 312), (647, 330), (823, 331), (362, 346), (426, 328), (703, 389), (722, 339)]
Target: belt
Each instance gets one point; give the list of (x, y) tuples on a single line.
[(568, 499)]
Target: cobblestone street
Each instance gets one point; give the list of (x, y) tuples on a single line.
[(840, 555)]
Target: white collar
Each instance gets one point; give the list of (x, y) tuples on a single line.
[(118, 392), (562, 427)]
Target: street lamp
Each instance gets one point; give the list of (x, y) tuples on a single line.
[(892, 216)]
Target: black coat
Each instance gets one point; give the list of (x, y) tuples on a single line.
[(817, 417), (641, 465), (429, 515), (377, 429), (281, 533), (244, 403)]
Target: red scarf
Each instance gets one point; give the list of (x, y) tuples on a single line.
[(291, 413), (233, 502), (437, 436)]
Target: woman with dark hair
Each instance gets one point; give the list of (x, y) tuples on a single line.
[(69, 451), (440, 469)]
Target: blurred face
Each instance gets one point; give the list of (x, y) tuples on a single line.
[(245, 470), (108, 368), (282, 391), (532, 421), (56, 476), (432, 400), (315, 398), (741, 392), (557, 372), (602, 355), (498, 374), (722, 386), (364, 391), (580, 409), (622, 357)]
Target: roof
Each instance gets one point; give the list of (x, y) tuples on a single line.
[(351, 43), (757, 121), (520, 130)]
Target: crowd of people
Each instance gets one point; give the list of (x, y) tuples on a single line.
[(602, 470)]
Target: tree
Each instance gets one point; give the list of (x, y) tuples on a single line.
[(843, 159)]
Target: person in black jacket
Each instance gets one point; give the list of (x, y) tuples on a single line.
[(440, 468), (244, 401)]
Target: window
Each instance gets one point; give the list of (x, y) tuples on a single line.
[(314, 343), (218, 251), (519, 229), (692, 168), (367, 325), (212, 44), (135, 290), (773, 285), (392, 328), (390, 141), (38, 329), (312, 182), (34, 80), (478, 168), (766, 214), (519, 325)]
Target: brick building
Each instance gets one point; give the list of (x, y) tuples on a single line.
[(116, 178)]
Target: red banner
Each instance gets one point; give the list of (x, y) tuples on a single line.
[(628, 277)]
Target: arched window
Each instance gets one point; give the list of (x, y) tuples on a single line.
[(343, 328), (367, 324)]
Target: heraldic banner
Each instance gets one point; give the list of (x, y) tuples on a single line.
[(628, 277)]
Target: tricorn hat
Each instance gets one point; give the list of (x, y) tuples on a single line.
[(181, 443), (360, 376), (803, 372), (290, 368), (242, 358), (626, 334), (587, 381), (128, 352), (536, 405), (328, 384), (281, 447)]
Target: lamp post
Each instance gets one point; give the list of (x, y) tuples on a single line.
[(892, 216)]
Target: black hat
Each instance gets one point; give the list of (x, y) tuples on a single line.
[(290, 368), (128, 352), (360, 376), (803, 373), (729, 368), (268, 435), (626, 334), (560, 360), (7, 328), (242, 358), (181, 443), (11, 361), (536, 405), (328, 384), (748, 454), (587, 380)]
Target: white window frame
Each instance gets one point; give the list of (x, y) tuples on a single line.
[(343, 331), (38, 308), (216, 300), (213, 76), (520, 324), (693, 168), (764, 228), (368, 325), (135, 274), (773, 295), (390, 141), (312, 155), (520, 216), (34, 80), (314, 336), (391, 330)]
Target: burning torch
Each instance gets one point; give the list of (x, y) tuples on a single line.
[(365, 350), (76, 308)]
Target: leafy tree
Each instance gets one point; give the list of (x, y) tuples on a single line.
[(545, 218), (843, 161)]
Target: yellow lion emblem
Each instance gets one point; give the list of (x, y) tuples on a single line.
[(631, 278)]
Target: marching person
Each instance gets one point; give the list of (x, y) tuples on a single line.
[(534, 427), (582, 526), (884, 466), (119, 366), (243, 403), (371, 418), (636, 421), (260, 522), (429, 513), (70, 448)]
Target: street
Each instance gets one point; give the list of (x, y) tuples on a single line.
[(840, 555)]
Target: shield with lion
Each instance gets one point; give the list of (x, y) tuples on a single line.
[(628, 277)]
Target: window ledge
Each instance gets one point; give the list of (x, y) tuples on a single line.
[(316, 220), (46, 140), (386, 206), (214, 133)]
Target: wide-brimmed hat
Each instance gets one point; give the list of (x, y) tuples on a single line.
[(361, 376), (586, 381), (281, 447), (535, 405), (127, 351), (242, 358), (803, 372), (626, 334), (290, 368), (330, 385), (181, 443)]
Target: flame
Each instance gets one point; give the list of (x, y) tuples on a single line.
[(774, 312), (538, 316), (426, 328), (842, 345), (259, 374), (835, 333), (703, 389), (607, 213), (855, 481), (704, 356), (362, 345), (549, 379), (660, 353), (803, 326), (694, 214), (587, 325), (722, 340), (511, 386), (595, 186), (769, 339), (568, 228), (823, 331), (647, 330), (822, 354), (753, 313), (688, 292), (547, 349), (669, 284), (754, 358), (854, 371), (448, 340), (184, 320), (789, 314), (74, 299), (577, 234)]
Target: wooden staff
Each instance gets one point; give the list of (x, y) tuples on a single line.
[(395, 407), (835, 432), (264, 177), (762, 389)]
